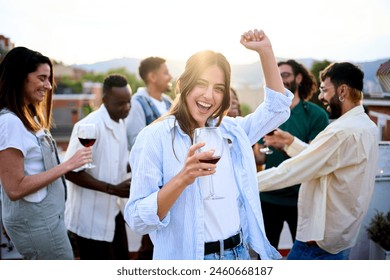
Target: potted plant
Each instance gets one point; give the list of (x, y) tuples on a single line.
[(379, 234)]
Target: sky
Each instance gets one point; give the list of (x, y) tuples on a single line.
[(84, 32)]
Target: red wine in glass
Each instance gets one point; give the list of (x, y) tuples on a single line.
[(212, 160), (213, 141), (86, 133), (266, 150), (87, 142)]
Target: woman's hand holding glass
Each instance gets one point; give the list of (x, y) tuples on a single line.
[(80, 158), (87, 136), (213, 140)]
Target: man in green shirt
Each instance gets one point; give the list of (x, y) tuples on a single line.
[(306, 121)]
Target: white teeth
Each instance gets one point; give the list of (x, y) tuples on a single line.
[(204, 104)]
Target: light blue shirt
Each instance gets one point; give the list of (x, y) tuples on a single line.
[(154, 162)]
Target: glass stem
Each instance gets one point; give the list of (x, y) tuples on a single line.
[(211, 186)]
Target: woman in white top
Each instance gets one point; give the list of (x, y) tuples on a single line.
[(33, 194), (167, 193)]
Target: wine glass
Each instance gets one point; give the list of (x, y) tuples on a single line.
[(266, 150), (213, 138), (87, 136)]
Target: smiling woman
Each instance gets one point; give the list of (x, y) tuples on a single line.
[(33, 189), (37, 84), (169, 197)]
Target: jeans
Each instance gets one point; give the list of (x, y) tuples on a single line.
[(302, 251), (240, 252)]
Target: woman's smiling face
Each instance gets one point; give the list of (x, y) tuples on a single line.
[(37, 84), (207, 95)]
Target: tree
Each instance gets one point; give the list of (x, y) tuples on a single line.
[(245, 109), (134, 82), (68, 85), (3, 52), (316, 68)]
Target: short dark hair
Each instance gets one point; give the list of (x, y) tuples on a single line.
[(343, 73), (113, 80), (308, 85), (148, 65)]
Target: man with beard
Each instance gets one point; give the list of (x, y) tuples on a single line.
[(148, 104), (306, 121), (337, 169)]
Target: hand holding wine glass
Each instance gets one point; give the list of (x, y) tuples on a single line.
[(213, 141), (266, 150), (87, 137)]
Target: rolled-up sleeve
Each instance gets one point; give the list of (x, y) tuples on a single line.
[(141, 208)]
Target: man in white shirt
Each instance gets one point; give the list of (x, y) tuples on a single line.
[(93, 208), (337, 170)]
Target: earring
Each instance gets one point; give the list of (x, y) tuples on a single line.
[(341, 99)]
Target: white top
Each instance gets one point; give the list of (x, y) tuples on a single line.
[(88, 213), (13, 134), (337, 171), (161, 105), (221, 216)]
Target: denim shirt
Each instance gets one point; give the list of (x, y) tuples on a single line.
[(154, 162)]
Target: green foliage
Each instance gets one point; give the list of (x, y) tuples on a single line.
[(3, 52), (131, 78), (245, 109), (316, 68), (379, 230), (75, 85), (93, 77), (86, 109)]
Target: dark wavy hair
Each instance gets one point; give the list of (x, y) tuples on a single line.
[(308, 85), (14, 69)]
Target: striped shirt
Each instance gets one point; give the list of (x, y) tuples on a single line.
[(154, 162)]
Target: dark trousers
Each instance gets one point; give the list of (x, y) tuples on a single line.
[(274, 216), (89, 249), (145, 252)]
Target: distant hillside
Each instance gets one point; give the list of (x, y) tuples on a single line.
[(247, 75), (131, 64)]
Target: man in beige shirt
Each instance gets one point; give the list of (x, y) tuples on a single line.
[(337, 169)]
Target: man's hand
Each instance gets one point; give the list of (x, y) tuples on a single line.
[(121, 190), (278, 139)]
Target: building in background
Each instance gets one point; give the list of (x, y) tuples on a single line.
[(5, 45), (67, 110), (70, 104), (378, 103)]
